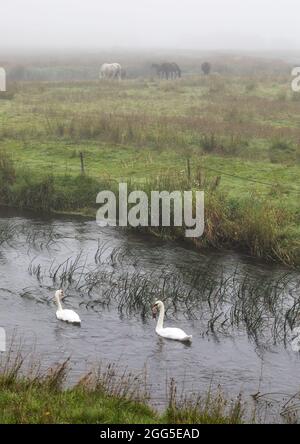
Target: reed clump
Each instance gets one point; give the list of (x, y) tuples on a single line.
[(210, 409)]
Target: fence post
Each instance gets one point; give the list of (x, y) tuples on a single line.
[(188, 169), (81, 162)]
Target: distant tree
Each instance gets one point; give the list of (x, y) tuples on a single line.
[(206, 68)]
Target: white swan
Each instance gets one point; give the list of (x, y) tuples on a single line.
[(169, 333), (65, 315)]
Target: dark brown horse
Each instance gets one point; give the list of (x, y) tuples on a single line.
[(177, 70), (167, 70)]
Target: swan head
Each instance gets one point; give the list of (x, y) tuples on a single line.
[(59, 294), (156, 307)]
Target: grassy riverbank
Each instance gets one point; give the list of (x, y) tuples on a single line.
[(235, 137), (111, 395), (103, 396), (21, 403)]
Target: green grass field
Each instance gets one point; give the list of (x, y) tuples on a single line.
[(240, 135)]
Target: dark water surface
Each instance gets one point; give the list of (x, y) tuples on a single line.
[(232, 358)]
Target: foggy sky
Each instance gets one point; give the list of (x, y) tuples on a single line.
[(190, 24)]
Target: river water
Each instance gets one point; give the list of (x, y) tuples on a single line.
[(112, 277)]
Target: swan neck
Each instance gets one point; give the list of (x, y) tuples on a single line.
[(160, 322), (58, 303)]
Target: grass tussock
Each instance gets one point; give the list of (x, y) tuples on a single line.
[(253, 225), (210, 409)]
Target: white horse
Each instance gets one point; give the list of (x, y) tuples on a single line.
[(111, 71)]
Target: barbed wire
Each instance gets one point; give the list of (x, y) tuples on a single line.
[(248, 179), (235, 176)]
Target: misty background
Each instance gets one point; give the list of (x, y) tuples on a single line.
[(191, 24), (70, 39)]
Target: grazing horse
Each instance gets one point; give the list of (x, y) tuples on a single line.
[(176, 70), (111, 71), (158, 69), (167, 70)]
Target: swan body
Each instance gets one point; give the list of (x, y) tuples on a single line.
[(65, 315), (295, 344), (175, 334)]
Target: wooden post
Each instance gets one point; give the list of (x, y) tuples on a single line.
[(189, 168), (81, 162)]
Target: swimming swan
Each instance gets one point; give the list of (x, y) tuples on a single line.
[(169, 333), (65, 315)]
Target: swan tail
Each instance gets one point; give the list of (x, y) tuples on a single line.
[(188, 338)]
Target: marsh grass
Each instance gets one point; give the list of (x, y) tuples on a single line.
[(284, 152), (32, 395), (40, 238), (7, 95), (106, 394), (212, 408), (265, 307), (7, 233), (110, 394), (231, 136), (111, 380), (7, 174)]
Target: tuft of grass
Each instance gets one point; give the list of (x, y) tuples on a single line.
[(7, 174), (282, 152), (211, 409)]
